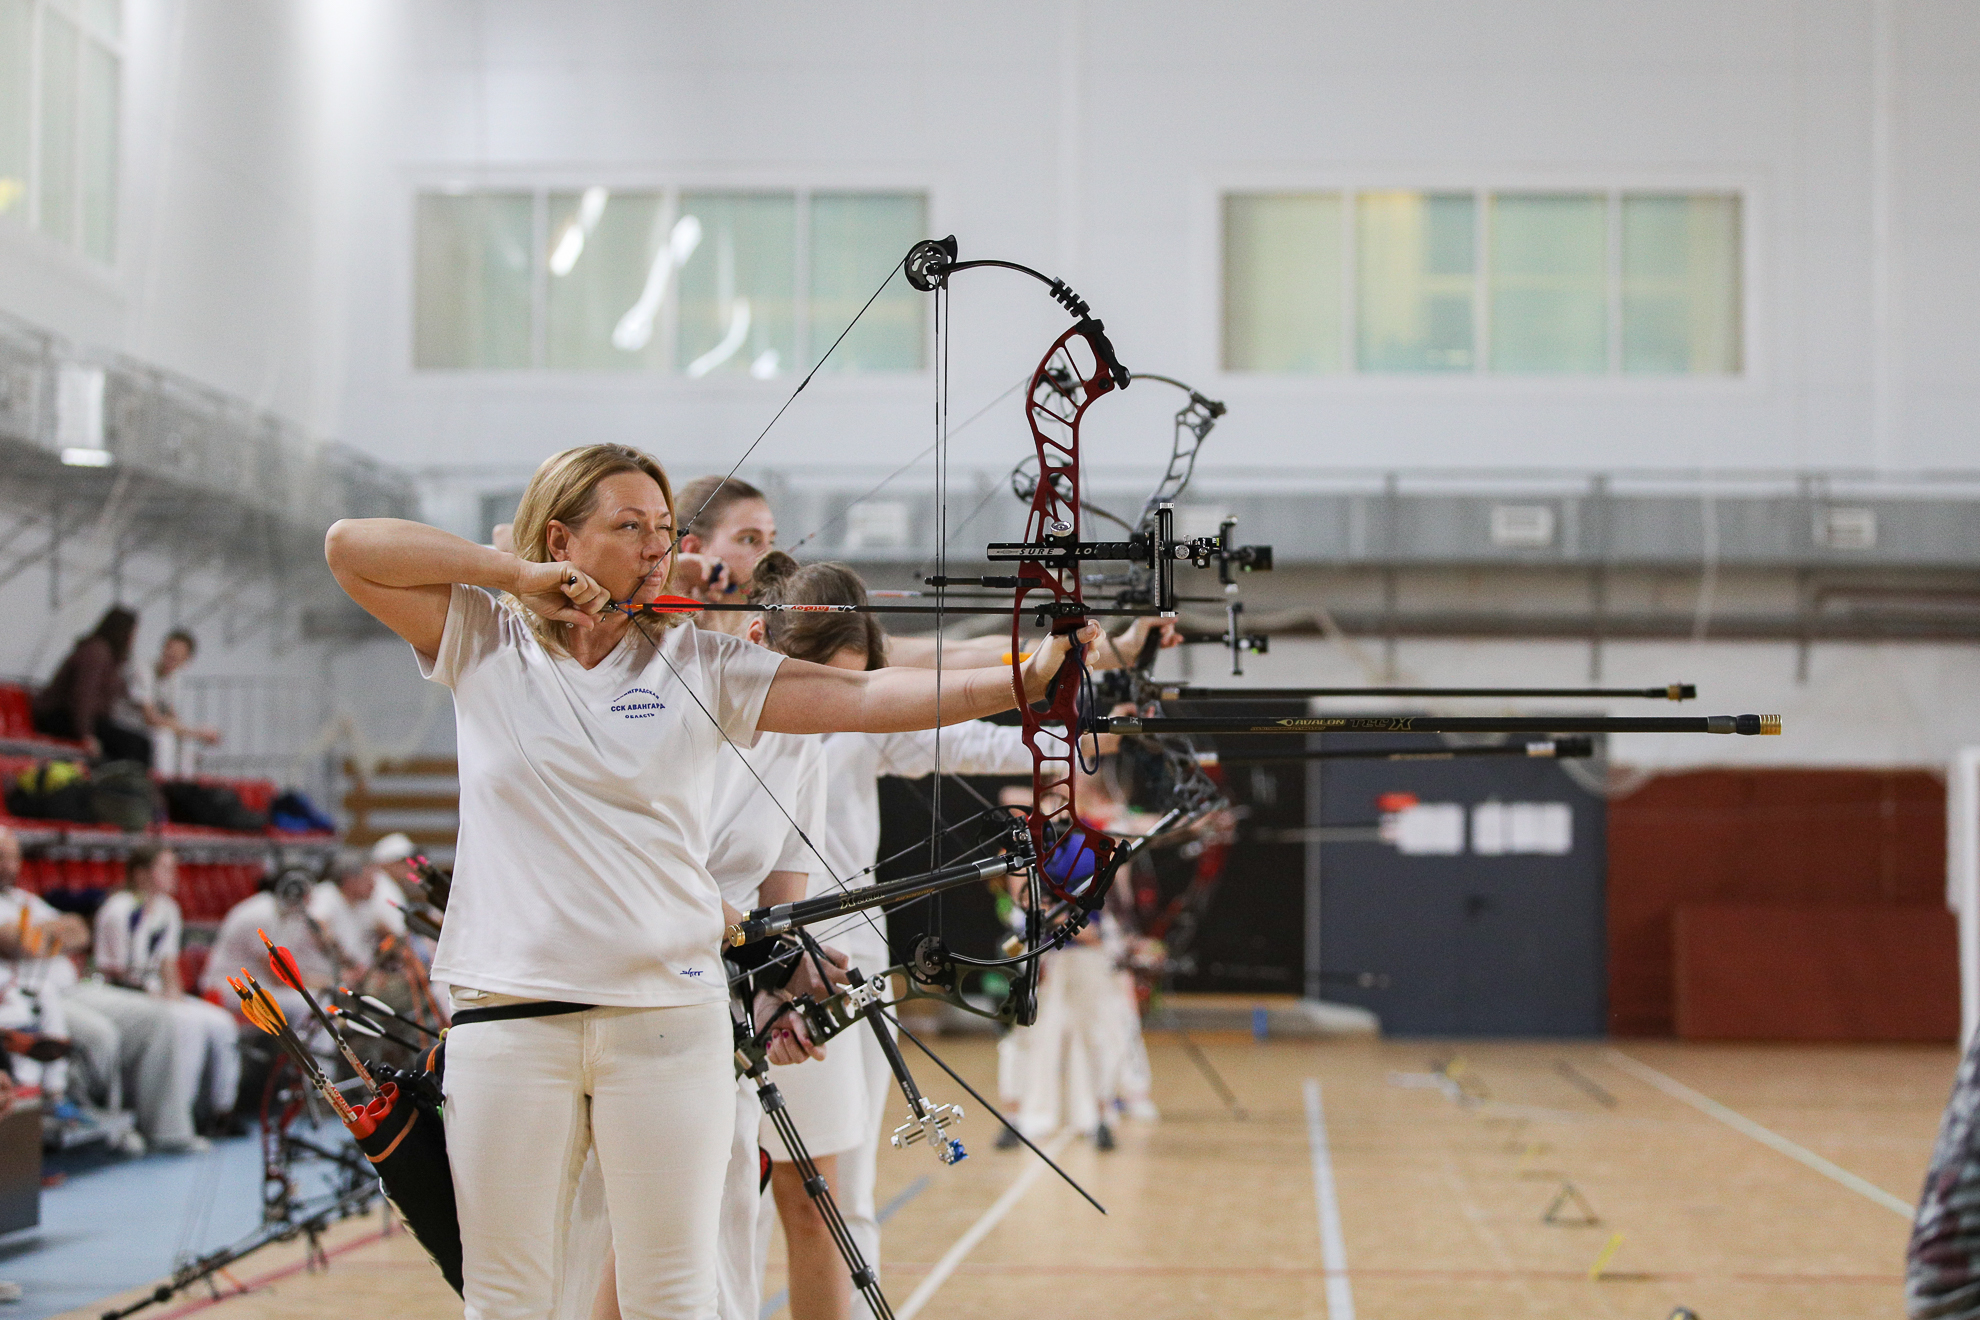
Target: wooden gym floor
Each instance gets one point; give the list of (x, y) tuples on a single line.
[(1760, 1182)]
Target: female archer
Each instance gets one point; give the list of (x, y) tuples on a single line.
[(583, 934)]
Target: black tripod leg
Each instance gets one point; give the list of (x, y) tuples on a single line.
[(820, 1193)]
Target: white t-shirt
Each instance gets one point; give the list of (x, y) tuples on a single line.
[(586, 795), (135, 941), (752, 836), (854, 764)]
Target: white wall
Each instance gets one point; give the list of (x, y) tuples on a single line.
[(237, 131), (1092, 138)]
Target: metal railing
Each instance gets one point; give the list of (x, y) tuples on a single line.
[(57, 395)]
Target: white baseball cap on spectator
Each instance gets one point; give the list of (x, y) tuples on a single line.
[(392, 848)]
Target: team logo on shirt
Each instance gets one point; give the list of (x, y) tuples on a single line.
[(690, 971), (638, 704)]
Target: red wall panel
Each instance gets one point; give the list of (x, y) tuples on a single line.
[(1770, 972), (1862, 838)]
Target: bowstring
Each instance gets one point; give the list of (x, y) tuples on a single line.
[(681, 531), (816, 367), (723, 734), (944, 303), (942, 309)]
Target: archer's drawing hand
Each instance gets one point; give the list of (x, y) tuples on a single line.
[(1051, 653), (788, 1041), (560, 593), (1124, 649)]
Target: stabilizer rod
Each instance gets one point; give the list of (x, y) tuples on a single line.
[(765, 922), (1136, 725), (1548, 749), (1669, 692)]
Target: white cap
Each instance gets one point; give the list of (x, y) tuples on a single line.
[(392, 848)]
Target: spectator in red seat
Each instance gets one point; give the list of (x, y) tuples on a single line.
[(154, 690), (82, 700), (35, 940), (138, 930)]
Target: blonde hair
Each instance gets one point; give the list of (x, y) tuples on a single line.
[(565, 490)]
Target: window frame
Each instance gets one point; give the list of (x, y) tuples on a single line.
[(26, 226), (670, 185), (1210, 293)]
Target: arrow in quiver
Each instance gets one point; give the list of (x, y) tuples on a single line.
[(400, 1132)]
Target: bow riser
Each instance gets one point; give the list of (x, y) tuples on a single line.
[(1062, 389)]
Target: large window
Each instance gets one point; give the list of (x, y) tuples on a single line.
[(694, 283), (1509, 283), (59, 76)]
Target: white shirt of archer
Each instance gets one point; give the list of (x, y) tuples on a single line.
[(586, 800), (135, 940), (855, 762), (758, 817)]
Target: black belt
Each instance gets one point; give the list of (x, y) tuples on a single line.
[(505, 1012)]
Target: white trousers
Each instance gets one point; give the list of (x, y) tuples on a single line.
[(1136, 1079), (208, 1053), (162, 1053), (652, 1090), (739, 1263), (1072, 1058)]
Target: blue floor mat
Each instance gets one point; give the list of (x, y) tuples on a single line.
[(116, 1224)]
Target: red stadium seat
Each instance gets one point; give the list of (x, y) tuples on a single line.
[(192, 962), (16, 711)]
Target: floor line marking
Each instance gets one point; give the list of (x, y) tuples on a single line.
[(965, 1244), (1739, 1122), (1333, 1244)]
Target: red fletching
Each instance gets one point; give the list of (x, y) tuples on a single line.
[(673, 605), (284, 965)]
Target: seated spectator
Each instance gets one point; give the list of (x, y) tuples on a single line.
[(137, 947), (152, 1057), (283, 911), (83, 700), (350, 909), (36, 940), (154, 690)]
